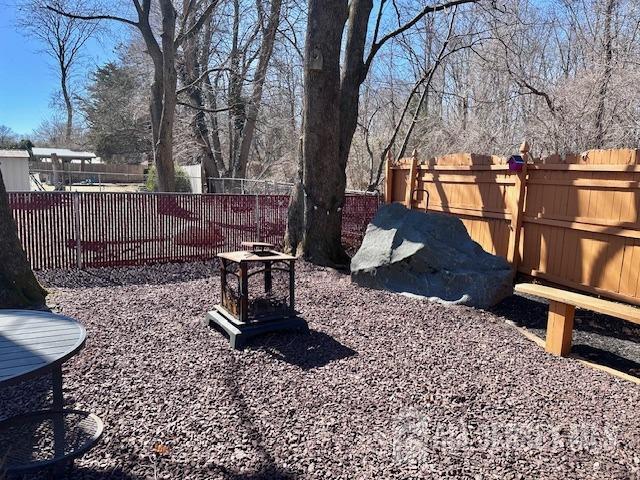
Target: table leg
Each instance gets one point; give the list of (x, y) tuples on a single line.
[(244, 293), (267, 277), (58, 423), (58, 400), (292, 286)]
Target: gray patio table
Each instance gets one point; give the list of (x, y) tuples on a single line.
[(35, 343)]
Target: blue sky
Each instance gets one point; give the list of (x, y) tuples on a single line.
[(27, 77)]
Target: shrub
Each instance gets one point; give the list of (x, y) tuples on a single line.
[(182, 180)]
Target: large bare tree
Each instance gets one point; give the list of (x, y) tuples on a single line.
[(175, 29), (330, 116), (63, 39), (248, 45)]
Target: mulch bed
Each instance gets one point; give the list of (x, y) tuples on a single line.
[(383, 386)]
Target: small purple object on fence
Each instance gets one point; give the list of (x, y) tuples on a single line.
[(515, 163)]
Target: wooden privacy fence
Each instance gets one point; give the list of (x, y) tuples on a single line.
[(75, 230), (571, 221), (97, 172)]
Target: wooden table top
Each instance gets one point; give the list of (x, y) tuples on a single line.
[(33, 342), (264, 256)]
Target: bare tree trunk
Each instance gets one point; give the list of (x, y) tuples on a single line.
[(164, 145), (606, 75), (162, 151), (465, 111), (353, 75), (295, 215), (163, 89), (57, 170), (155, 103), (216, 144), (196, 57), (266, 49), (19, 287), (68, 106), (64, 38), (202, 133), (236, 104), (317, 235), (329, 97)]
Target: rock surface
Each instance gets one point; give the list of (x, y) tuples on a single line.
[(430, 255)]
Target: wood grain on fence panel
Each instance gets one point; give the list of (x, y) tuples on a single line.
[(580, 215), (584, 220), (478, 193), (400, 181)]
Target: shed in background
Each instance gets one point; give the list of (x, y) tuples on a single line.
[(14, 165)]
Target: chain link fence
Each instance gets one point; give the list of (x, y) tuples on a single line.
[(87, 181)]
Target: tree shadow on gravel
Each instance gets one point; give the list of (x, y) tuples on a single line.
[(307, 350), (77, 473), (268, 467), (269, 472)]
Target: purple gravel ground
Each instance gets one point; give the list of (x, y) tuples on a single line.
[(383, 387)]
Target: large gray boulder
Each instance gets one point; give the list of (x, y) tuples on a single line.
[(429, 255)]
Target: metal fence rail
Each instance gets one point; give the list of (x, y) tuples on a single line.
[(112, 181), (76, 230)]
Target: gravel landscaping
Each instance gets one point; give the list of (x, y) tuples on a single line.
[(602, 339), (383, 386)]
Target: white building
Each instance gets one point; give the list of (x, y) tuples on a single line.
[(194, 172), (14, 165), (64, 154)]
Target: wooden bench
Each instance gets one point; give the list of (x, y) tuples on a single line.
[(562, 305)]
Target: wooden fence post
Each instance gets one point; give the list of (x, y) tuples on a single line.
[(412, 179), (57, 170), (518, 197), (388, 179)]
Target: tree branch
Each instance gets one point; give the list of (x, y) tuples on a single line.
[(425, 93), (198, 23), (378, 20), (203, 109), (376, 46), (92, 17), (201, 77)]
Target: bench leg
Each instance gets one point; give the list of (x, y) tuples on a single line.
[(559, 328)]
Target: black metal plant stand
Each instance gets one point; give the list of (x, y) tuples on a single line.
[(241, 314)]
